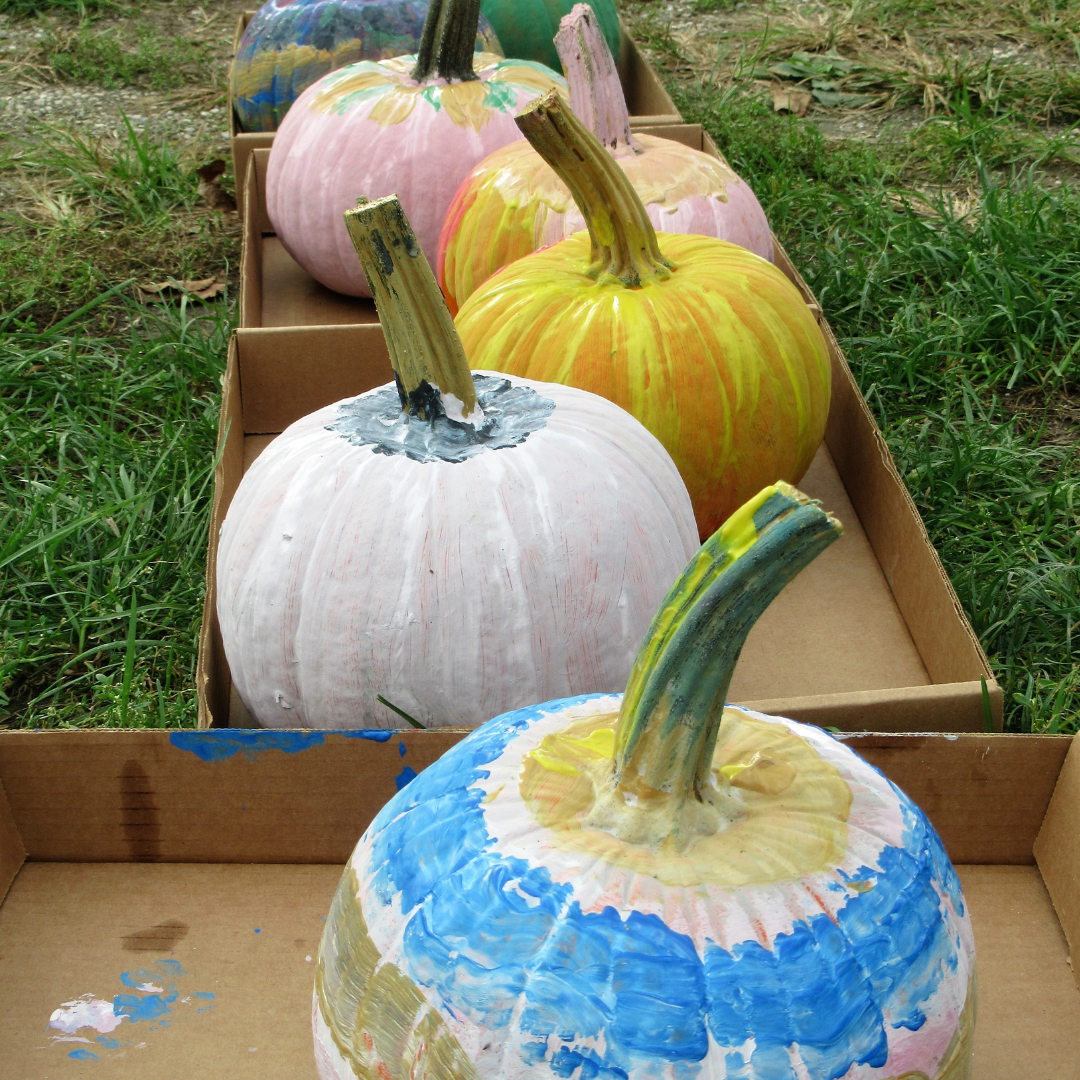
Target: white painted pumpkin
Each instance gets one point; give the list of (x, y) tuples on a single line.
[(455, 589), (457, 570)]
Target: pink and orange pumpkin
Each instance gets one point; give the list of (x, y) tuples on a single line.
[(513, 202), (413, 126)]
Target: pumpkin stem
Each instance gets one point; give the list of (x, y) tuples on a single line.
[(447, 41), (424, 346), (596, 94), (674, 700), (623, 240)]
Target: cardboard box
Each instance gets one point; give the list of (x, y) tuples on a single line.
[(871, 636), (203, 863), (649, 104)]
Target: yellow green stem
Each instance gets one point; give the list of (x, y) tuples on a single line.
[(623, 240), (674, 700), (425, 350)]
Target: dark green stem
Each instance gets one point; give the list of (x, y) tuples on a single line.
[(447, 41), (425, 350), (674, 700)]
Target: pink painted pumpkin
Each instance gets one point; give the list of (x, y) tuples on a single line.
[(412, 126), (513, 203)]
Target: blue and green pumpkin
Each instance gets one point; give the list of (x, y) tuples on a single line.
[(653, 884), (290, 44)]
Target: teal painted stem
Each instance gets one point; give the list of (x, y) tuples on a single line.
[(674, 700)]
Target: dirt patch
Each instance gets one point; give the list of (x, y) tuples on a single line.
[(1054, 415), (34, 92)]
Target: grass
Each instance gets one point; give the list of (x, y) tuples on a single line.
[(949, 301), (80, 8), (107, 474), (946, 255), (130, 55), (94, 212)]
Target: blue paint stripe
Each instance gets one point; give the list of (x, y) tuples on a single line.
[(217, 744)]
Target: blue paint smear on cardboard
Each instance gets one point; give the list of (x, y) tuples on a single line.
[(218, 744), (109, 1044), (204, 994), (401, 748), (485, 931), (406, 776), (149, 1006), (83, 1055)]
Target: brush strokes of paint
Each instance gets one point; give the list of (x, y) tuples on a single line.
[(83, 1055), (140, 1009), (153, 1001), (510, 414), (223, 743), (484, 932), (109, 1044), (204, 994), (405, 777), (85, 1012)]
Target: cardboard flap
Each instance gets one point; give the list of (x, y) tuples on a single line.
[(1057, 850), (12, 851), (955, 778)]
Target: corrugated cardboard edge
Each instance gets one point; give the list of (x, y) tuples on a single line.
[(211, 649), (941, 707), (12, 850), (1057, 851), (251, 249), (631, 63)]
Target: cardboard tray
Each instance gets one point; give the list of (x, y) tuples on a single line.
[(649, 103), (870, 637), (205, 861), (276, 291)]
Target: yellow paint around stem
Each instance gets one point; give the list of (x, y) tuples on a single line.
[(785, 815), (722, 362)]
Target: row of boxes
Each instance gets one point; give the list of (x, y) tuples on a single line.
[(209, 857)]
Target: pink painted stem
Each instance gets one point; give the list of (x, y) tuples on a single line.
[(595, 92)]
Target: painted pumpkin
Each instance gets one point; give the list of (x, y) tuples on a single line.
[(413, 126), (389, 545), (653, 885), (530, 25), (290, 44), (707, 344), (513, 202)]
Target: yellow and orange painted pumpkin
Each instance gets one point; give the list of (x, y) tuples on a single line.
[(512, 203), (708, 345)]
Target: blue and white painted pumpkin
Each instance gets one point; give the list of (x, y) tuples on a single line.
[(653, 885)]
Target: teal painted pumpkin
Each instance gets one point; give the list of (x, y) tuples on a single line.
[(526, 28), (651, 884)]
